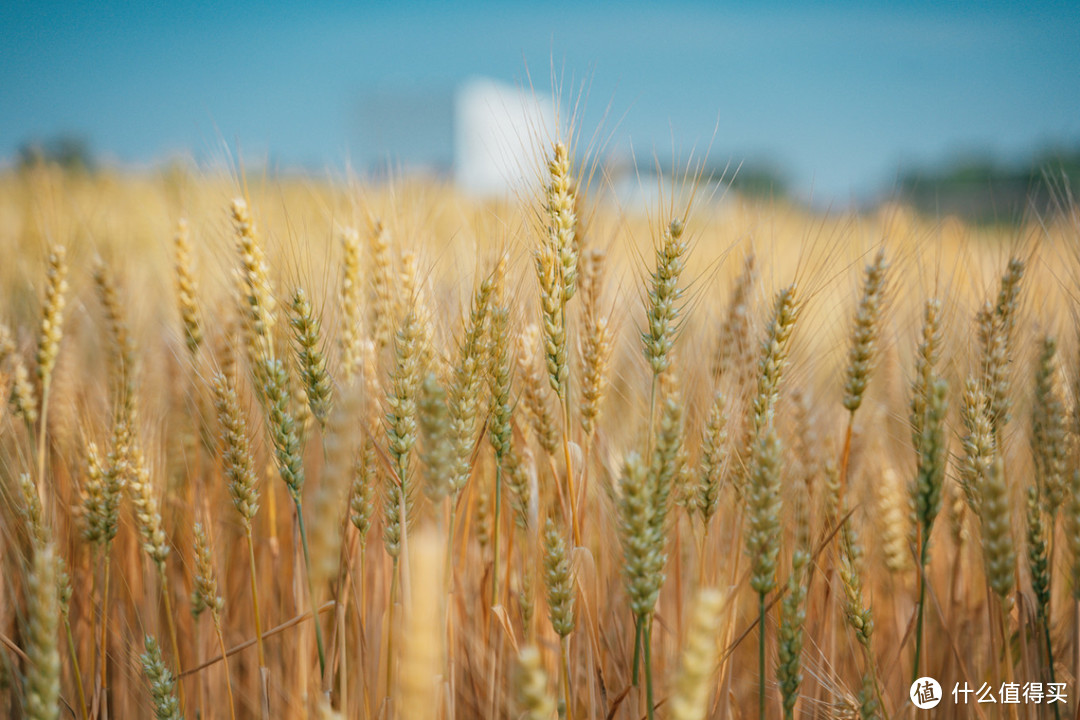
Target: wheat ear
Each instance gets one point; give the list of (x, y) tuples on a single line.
[(52, 315), (531, 683), (43, 655), (382, 285), (793, 616), (350, 297), (735, 349), (713, 459), (1048, 435), (698, 662), (864, 333), (187, 288), (204, 597), (23, 399), (771, 365), (559, 579), (310, 357), (258, 303), (534, 390), (596, 342), (162, 683)]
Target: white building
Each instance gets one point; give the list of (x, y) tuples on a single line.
[(500, 132)]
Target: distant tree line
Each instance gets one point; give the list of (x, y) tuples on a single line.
[(70, 152), (983, 190)]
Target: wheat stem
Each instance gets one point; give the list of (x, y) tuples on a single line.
[(495, 599), (761, 655), (264, 695), (1050, 662), (646, 641), (311, 586), (75, 669), (390, 616), (104, 636), (564, 652), (225, 662)]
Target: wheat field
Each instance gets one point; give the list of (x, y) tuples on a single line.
[(282, 448)]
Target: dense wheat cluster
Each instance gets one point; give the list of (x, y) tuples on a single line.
[(281, 450)]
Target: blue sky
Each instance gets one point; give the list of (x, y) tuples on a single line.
[(841, 94)]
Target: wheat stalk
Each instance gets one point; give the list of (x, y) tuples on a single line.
[(284, 435), (929, 480)]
